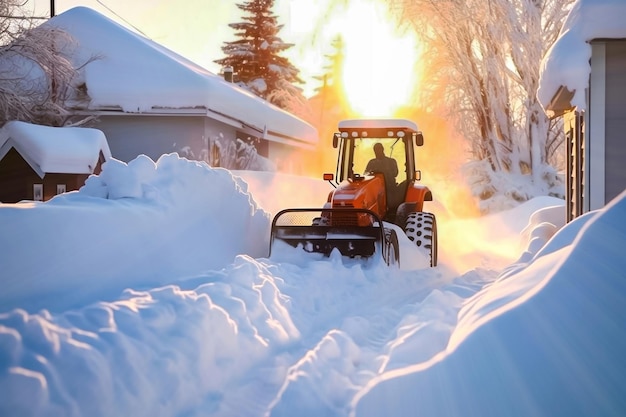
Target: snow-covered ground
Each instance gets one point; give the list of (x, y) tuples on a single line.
[(149, 292)]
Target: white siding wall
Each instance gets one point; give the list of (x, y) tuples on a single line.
[(595, 152)]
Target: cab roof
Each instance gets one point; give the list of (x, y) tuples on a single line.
[(366, 124)]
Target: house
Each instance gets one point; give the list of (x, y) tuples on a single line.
[(150, 100), (39, 162), (583, 79)]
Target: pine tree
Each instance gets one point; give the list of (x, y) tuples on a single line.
[(255, 56), (333, 68), (330, 96)]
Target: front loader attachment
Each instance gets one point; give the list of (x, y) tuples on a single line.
[(354, 232)]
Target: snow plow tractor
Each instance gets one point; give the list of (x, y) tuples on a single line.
[(375, 184)]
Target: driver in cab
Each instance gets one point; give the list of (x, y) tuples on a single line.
[(384, 164)]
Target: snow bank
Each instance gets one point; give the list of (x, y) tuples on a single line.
[(168, 213), (150, 353), (536, 342), (229, 335)]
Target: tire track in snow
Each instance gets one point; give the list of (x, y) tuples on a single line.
[(353, 320)]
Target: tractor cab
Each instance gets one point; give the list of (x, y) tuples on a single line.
[(380, 155)]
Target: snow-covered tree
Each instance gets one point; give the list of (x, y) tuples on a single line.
[(256, 56), (35, 77), (481, 62)]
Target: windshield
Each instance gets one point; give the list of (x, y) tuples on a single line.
[(364, 153)]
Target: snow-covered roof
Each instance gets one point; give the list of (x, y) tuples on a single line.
[(566, 64), (67, 150), (137, 74)]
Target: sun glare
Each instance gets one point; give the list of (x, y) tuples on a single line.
[(379, 64)]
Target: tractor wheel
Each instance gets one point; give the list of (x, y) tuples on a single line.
[(391, 248), (421, 229), (402, 213)]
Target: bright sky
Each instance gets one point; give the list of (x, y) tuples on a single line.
[(190, 28), (375, 65), (379, 58), (142, 294)]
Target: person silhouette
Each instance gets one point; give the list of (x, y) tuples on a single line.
[(382, 163)]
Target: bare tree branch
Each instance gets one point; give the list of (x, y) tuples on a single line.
[(482, 62), (36, 75)]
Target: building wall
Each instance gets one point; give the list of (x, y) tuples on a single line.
[(606, 122), (71, 182), (195, 137), (594, 152), (18, 180), (615, 119), (575, 164), (132, 135)]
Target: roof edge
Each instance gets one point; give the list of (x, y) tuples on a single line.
[(561, 102)]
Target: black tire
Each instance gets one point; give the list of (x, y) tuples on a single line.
[(421, 229), (391, 248), (402, 213)]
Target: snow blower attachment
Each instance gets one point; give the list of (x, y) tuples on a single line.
[(376, 182), (355, 233)]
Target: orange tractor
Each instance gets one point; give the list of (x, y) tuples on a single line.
[(369, 193)]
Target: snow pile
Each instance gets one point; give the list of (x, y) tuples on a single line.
[(153, 353), (200, 331), (545, 339), (141, 223)]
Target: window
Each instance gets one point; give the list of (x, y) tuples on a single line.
[(38, 192), (60, 188)]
